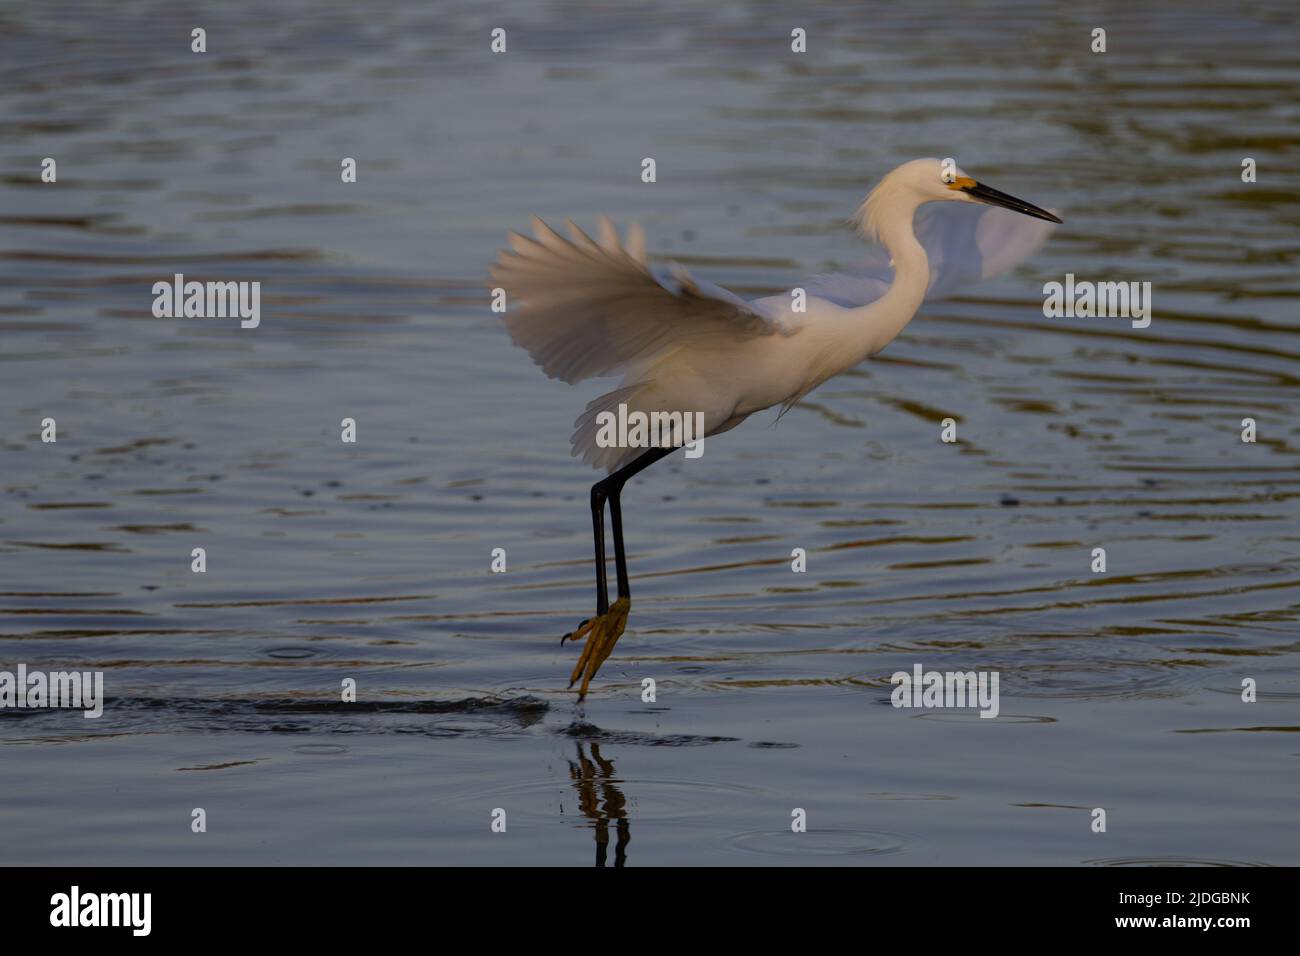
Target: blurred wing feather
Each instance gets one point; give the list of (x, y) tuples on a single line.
[(964, 243), (583, 307)]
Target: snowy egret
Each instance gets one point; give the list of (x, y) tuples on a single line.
[(586, 308)]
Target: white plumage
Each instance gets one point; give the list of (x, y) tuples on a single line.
[(586, 308)]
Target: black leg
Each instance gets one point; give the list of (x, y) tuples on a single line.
[(613, 491), (602, 631), (620, 559), (598, 529)]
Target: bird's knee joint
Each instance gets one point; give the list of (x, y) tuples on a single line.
[(602, 491)]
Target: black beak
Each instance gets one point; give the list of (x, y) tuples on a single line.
[(993, 197)]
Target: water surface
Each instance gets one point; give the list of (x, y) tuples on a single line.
[(371, 560)]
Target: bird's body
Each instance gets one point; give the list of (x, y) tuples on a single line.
[(727, 381), (595, 308)]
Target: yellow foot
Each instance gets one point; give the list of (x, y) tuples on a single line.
[(601, 634)]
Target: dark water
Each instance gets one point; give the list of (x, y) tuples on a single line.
[(371, 560)]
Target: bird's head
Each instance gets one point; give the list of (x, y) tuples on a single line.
[(932, 180)]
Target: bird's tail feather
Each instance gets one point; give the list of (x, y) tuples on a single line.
[(610, 458)]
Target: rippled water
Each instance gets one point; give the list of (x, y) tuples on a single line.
[(329, 560)]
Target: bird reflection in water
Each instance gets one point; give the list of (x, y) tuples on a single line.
[(601, 801)]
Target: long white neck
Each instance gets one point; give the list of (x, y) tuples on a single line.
[(887, 316)]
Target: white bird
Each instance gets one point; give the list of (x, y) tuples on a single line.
[(584, 308)]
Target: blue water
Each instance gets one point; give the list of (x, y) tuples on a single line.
[(370, 561)]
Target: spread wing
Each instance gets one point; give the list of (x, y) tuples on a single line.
[(965, 243), (583, 308)]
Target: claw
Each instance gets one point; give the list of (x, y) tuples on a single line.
[(579, 633), (603, 633)]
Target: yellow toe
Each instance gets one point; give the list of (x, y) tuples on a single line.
[(602, 633)]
